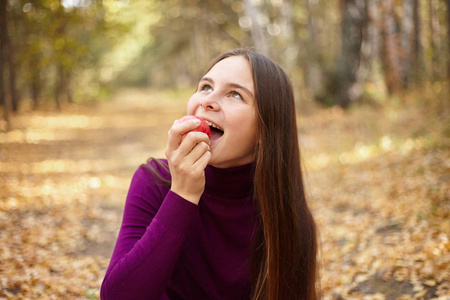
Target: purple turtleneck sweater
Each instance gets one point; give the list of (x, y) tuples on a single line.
[(170, 248)]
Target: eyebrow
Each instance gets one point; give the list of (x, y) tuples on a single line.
[(230, 84)]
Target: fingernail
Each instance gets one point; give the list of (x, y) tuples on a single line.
[(197, 121)]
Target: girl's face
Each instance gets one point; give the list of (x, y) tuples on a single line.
[(225, 99)]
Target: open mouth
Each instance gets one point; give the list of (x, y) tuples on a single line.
[(216, 131)]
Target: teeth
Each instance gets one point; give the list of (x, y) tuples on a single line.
[(213, 125)]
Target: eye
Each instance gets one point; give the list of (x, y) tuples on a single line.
[(236, 95), (206, 88)]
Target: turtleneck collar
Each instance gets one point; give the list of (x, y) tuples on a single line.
[(230, 183)]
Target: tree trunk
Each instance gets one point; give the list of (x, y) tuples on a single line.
[(59, 85), (32, 58), (367, 52), (4, 99), (257, 31), (435, 43), (448, 41), (311, 58), (59, 34), (418, 60), (199, 39), (67, 88), (35, 84), (406, 39), (353, 26), (12, 66), (390, 50), (373, 36), (287, 34)]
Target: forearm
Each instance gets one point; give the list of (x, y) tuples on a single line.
[(144, 271)]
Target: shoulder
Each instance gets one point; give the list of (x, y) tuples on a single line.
[(155, 170), (152, 175), (150, 182)]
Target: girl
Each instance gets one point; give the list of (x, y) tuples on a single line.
[(226, 217)]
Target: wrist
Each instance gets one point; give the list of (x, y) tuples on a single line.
[(193, 198)]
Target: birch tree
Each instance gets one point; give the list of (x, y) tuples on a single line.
[(406, 40), (353, 24), (390, 49), (373, 37), (4, 99), (418, 63), (257, 18), (313, 65), (448, 41), (435, 41)]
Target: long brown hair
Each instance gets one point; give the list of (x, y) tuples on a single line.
[(285, 249)]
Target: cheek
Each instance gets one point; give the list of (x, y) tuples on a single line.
[(192, 105), (246, 128)]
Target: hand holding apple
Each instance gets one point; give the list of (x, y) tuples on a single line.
[(203, 127)]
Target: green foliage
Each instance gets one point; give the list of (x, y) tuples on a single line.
[(84, 48), (56, 40)]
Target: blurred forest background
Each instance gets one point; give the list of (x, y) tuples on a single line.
[(89, 88), (337, 52)]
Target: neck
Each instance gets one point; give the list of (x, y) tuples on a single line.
[(231, 183)]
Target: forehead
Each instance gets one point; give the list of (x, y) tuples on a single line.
[(234, 69)]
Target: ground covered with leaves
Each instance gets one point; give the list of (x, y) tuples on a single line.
[(377, 174)]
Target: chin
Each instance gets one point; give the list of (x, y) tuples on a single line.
[(213, 161)]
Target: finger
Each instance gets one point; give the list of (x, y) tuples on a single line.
[(191, 166), (178, 130), (188, 157), (197, 160), (191, 140), (197, 152), (202, 161), (183, 127)]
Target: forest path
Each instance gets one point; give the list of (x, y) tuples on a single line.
[(377, 179), (63, 182)]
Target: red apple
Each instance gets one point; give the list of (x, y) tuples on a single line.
[(203, 127)]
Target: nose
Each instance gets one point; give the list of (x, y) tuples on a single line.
[(210, 103)]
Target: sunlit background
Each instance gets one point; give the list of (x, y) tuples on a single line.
[(90, 88)]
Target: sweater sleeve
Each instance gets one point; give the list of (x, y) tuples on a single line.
[(149, 242)]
